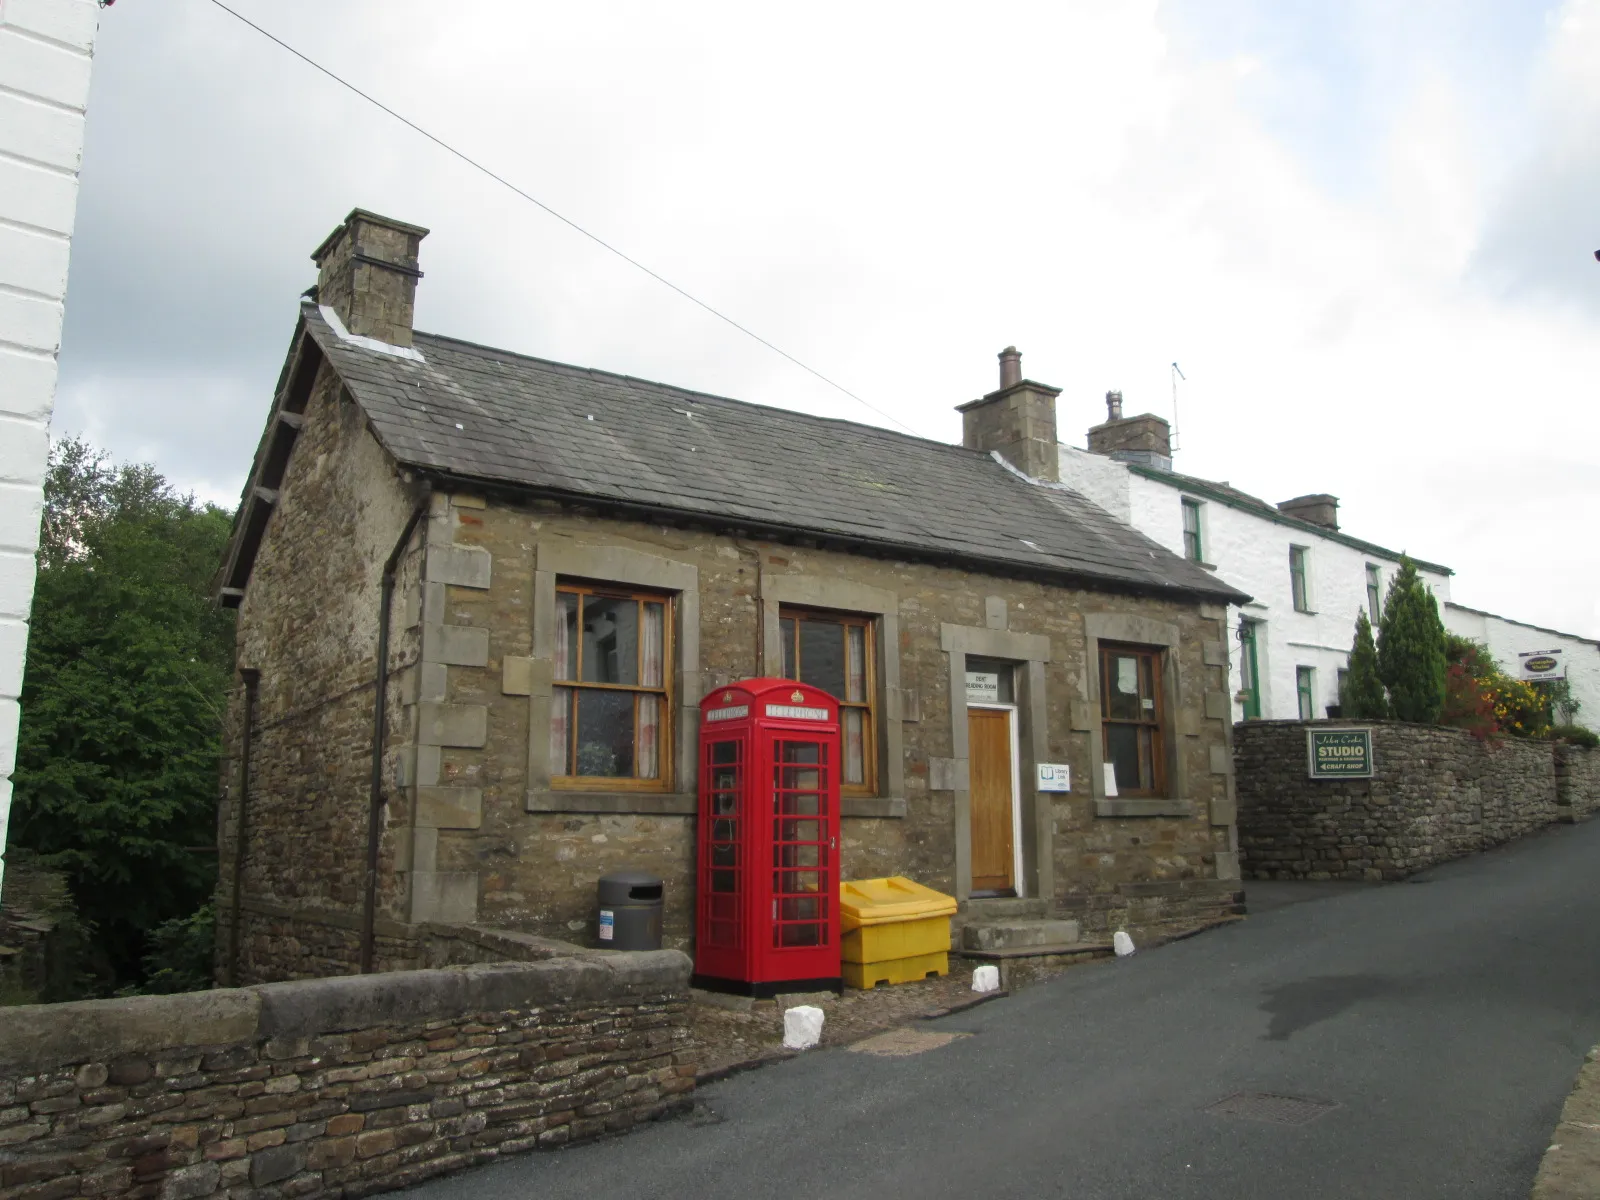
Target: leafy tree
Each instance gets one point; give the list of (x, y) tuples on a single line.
[(1363, 697), (122, 702), (1411, 660)]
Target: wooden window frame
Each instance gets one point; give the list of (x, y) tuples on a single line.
[(1194, 541), (1157, 723), (666, 734), (1300, 578), (869, 706)]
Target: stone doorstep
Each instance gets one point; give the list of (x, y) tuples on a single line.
[(1071, 950), (1001, 908), (1019, 934)]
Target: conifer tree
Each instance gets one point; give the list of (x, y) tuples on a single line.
[(1411, 659), (1363, 698)]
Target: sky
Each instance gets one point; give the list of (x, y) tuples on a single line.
[(1365, 231)]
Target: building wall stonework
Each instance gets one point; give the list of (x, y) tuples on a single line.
[(536, 870), (338, 1087), (46, 52), (1436, 794), (472, 833), (308, 624)]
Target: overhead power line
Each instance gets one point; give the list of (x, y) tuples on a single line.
[(565, 220)]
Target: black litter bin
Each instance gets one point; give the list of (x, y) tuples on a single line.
[(630, 911)]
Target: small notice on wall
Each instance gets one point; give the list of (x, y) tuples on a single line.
[(1339, 753), (983, 687), (1055, 777), (1110, 778)]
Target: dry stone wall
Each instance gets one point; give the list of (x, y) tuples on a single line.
[(337, 1087), (1577, 781), (1436, 794)]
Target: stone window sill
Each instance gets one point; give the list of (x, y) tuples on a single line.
[(1115, 806), (643, 803)]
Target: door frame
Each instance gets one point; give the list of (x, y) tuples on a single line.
[(1249, 656), (1019, 883)]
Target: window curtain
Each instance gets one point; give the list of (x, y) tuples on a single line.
[(855, 688), (652, 665), (561, 698)]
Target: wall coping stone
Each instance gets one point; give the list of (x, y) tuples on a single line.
[(36, 1036)]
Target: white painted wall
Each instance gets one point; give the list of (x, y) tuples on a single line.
[(1506, 639), (46, 49), (1250, 550)]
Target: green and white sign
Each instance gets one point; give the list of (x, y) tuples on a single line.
[(1339, 753)]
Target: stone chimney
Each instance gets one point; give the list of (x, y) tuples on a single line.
[(1018, 420), (1145, 439), (1321, 509), (367, 273)]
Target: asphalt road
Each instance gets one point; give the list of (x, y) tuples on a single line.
[(1446, 1019)]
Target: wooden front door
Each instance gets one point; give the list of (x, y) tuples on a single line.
[(989, 751)]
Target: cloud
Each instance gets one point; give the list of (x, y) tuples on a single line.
[(1321, 217)]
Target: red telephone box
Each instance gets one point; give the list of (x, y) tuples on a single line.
[(768, 839)]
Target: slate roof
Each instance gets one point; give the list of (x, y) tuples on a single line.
[(479, 413), (1233, 497)]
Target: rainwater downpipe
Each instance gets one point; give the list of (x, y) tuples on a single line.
[(380, 714), (252, 685)]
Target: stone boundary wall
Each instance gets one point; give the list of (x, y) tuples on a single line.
[(337, 1087), (1577, 781), (1436, 794)]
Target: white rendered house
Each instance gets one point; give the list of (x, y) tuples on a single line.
[(1511, 642), (1306, 577), (46, 49)]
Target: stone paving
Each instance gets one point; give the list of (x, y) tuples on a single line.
[(1571, 1166), (738, 1037)]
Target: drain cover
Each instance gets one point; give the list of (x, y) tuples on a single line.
[(1265, 1106), (898, 1043)]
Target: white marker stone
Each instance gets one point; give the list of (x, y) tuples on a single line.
[(986, 979), (802, 1027), (1122, 944)]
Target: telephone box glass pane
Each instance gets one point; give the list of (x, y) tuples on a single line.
[(610, 642), (605, 734)]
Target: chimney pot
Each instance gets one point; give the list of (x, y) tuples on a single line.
[(1113, 406), (1010, 367)]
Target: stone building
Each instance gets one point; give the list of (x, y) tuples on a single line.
[(1307, 577), (480, 596)]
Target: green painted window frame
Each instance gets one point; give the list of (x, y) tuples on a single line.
[(1299, 585), (1305, 688), (1194, 548)]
